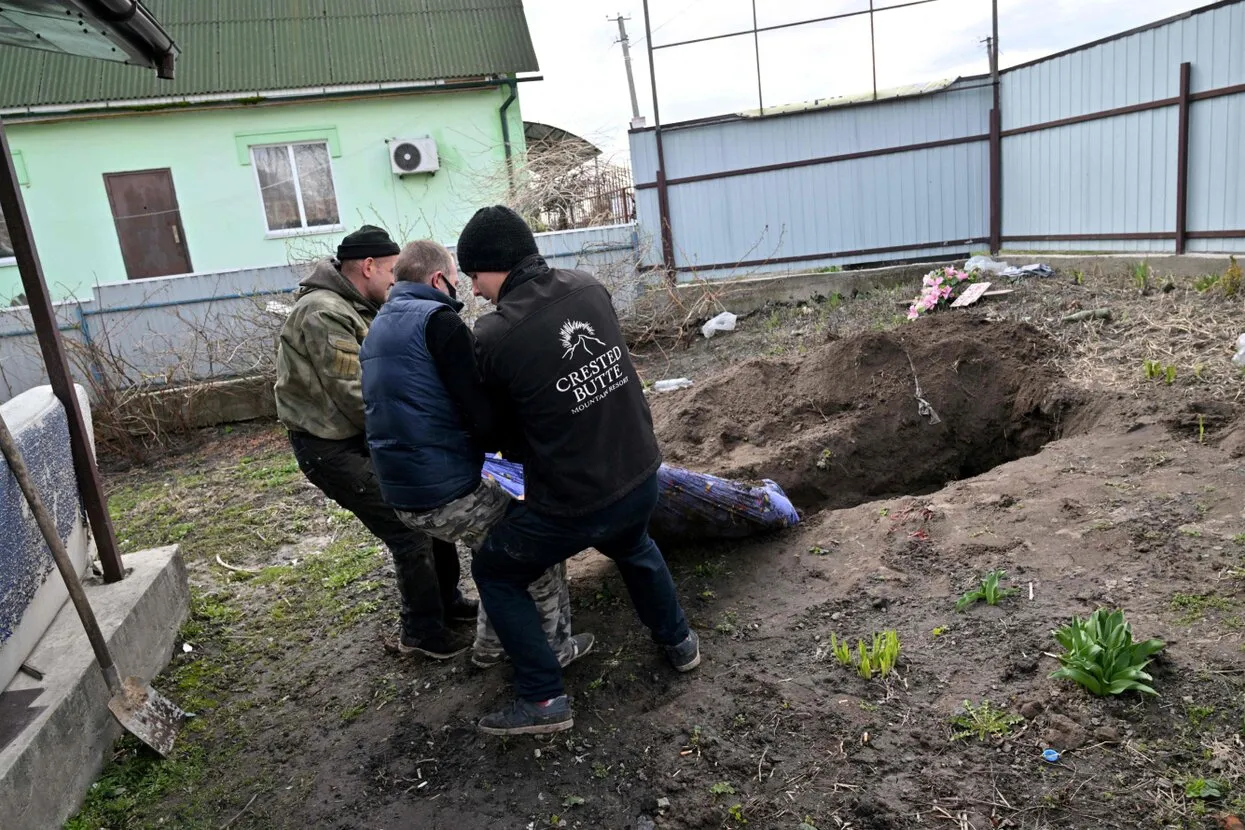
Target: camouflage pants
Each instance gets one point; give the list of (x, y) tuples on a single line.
[(469, 520)]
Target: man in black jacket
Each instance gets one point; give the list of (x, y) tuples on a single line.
[(554, 358)]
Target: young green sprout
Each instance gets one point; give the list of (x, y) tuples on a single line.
[(988, 590), (877, 658)]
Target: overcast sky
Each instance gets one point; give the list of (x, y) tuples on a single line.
[(585, 84)]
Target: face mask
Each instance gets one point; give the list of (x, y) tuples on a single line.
[(448, 288)]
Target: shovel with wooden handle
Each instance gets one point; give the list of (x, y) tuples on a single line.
[(140, 709)]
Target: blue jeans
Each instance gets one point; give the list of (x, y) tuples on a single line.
[(526, 543)]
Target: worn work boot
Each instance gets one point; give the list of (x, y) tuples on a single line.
[(686, 655), (463, 610), (526, 718), (440, 646)]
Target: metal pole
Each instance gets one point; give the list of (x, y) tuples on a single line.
[(873, 52), (994, 52), (1182, 160), (663, 203), (626, 50), (756, 46), (90, 487)]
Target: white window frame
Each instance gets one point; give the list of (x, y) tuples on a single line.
[(305, 230)]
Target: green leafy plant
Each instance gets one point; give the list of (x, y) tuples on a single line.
[(1099, 654), (1205, 283), (1141, 276), (737, 812), (988, 590), (722, 788), (1204, 788), (841, 650), (1078, 277), (572, 801), (983, 722), (879, 658), (807, 824), (1157, 371)]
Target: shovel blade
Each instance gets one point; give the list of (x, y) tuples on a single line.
[(147, 715)]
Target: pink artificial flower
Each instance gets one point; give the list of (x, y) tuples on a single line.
[(913, 313)]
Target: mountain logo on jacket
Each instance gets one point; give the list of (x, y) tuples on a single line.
[(578, 336)]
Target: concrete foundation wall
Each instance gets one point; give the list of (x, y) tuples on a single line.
[(31, 590)]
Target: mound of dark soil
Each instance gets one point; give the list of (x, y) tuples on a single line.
[(843, 423)]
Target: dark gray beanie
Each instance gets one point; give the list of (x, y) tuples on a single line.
[(496, 239), (367, 241)]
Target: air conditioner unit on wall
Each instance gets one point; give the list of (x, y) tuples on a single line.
[(413, 155)]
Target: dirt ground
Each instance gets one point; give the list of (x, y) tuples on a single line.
[(1055, 458)]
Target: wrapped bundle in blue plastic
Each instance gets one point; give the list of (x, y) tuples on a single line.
[(690, 505)]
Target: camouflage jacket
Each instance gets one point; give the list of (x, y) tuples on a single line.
[(318, 388)]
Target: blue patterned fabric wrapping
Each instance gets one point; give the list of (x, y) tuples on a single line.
[(692, 506)]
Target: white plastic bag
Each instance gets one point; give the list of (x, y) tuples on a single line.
[(984, 263), (672, 384), (1239, 357), (723, 322)]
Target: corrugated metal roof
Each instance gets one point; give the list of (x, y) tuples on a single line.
[(906, 91), (252, 46)]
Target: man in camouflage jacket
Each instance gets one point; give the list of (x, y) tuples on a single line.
[(320, 401)]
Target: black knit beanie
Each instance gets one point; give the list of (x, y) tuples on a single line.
[(367, 241), (496, 239)]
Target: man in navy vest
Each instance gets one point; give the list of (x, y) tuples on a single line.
[(429, 422)]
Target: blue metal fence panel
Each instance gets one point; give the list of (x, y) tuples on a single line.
[(1217, 170), (1136, 69), (901, 202), (1114, 175), (1118, 174)]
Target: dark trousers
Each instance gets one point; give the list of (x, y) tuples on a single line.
[(427, 570), (525, 543)]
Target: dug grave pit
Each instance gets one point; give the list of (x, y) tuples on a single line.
[(876, 414)]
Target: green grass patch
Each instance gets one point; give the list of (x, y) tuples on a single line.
[(1193, 607)]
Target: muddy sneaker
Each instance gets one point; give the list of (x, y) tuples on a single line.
[(577, 647), (440, 646), (686, 655), (525, 718), (462, 611), (487, 659)]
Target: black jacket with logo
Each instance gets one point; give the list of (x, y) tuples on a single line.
[(554, 357)]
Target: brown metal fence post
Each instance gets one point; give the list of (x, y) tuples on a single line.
[(667, 235), (1182, 160), (996, 181), (663, 203), (90, 487)]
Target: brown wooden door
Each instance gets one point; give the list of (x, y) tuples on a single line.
[(149, 224)]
